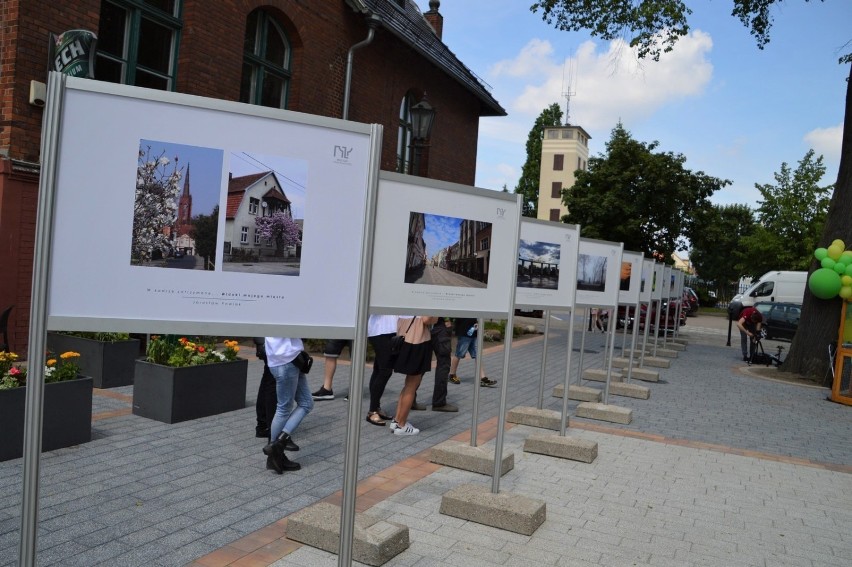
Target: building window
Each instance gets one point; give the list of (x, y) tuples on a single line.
[(256, 237), (254, 204), (484, 243), (404, 136), (244, 235), (554, 215), (552, 134), (138, 42), (558, 162), (567, 134), (556, 190), (266, 62)]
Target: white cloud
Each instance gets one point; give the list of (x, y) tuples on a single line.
[(826, 141)]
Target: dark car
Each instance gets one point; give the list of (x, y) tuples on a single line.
[(690, 301), (664, 324), (780, 320)]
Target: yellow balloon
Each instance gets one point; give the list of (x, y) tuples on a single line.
[(839, 243), (834, 252), (845, 292), (846, 280)]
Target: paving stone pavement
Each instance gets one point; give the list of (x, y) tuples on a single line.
[(717, 468)]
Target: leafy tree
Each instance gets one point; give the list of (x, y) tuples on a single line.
[(654, 26), (154, 208), (716, 234), (636, 196), (281, 227), (205, 232), (531, 171), (790, 219)]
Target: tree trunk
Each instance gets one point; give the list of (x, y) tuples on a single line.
[(820, 318)]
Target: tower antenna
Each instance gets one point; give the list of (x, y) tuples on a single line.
[(567, 92)]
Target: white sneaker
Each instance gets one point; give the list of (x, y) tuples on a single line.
[(394, 425), (407, 430)]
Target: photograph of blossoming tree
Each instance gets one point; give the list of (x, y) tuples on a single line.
[(175, 216), (264, 220)]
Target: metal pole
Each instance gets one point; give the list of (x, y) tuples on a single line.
[(632, 342), (477, 368), (666, 331), (644, 331), (563, 426), (657, 325), (586, 314), (359, 352), (34, 397), (543, 359), (609, 364)]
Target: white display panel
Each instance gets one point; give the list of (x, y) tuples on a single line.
[(677, 284), (630, 278), (666, 290), (101, 281), (647, 280), (442, 248), (598, 272), (657, 284), (547, 264)]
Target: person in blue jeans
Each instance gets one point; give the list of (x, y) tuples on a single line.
[(291, 386), (466, 331)]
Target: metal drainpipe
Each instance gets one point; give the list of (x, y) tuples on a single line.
[(373, 21)]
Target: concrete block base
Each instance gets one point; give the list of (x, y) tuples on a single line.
[(375, 541), (506, 511), (672, 345), (474, 459), (622, 363), (582, 393), (645, 374), (605, 412), (656, 362), (599, 375), (629, 390), (534, 417), (571, 448)]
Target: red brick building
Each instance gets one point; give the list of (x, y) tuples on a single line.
[(365, 60)]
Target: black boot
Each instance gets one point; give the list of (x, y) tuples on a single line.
[(273, 465), (278, 445), (288, 465)]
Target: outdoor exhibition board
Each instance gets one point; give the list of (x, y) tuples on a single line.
[(677, 284), (630, 278), (120, 183), (657, 284), (666, 287), (547, 264), (598, 272), (443, 248), (647, 280)]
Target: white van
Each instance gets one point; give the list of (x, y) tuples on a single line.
[(785, 287)]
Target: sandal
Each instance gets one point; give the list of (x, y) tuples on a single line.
[(383, 415), (374, 418)]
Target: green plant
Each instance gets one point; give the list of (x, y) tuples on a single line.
[(178, 352), (56, 369), (97, 336)]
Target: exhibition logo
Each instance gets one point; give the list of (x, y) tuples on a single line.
[(501, 213), (341, 154)]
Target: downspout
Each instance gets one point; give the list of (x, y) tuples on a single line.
[(373, 21)]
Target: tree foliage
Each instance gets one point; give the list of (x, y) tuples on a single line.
[(155, 207), (637, 196), (280, 227), (716, 235), (653, 27), (531, 171), (790, 219), (205, 232)]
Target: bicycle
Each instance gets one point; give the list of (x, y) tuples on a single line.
[(759, 356)]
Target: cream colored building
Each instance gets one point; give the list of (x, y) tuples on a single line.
[(564, 150)]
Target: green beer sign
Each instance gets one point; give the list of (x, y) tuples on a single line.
[(73, 53)]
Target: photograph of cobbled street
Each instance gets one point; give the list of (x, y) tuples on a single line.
[(459, 248)]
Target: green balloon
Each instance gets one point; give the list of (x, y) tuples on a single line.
[(824, 283), (840, 268), (828, 263), (846, 257), (849, 270), (820, 253)]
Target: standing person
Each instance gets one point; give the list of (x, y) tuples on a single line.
[(466, 331), (330, 352), (291, 386), (267, 399), (749, 324), (442, 344), (413, 360), (380, 329)]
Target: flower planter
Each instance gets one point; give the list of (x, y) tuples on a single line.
[(66, 419), (171, 395), (110, 364)]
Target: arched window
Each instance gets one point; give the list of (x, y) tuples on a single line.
[(266, 62), (403, 142)]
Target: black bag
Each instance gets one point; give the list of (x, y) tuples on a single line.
[(397, 341), (303, 362)]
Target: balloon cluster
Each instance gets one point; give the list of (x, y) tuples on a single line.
[(834, 278)]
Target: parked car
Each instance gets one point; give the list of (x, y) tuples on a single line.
[(780, 319), (665, 324), (690, 301), (537, 313)]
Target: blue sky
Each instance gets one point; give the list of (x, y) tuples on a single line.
[(734, 111), (292, 174), (440, 232), (205, 171)]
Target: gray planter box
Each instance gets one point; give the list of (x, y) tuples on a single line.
[(172, 395), (110, 364), (66, 420)]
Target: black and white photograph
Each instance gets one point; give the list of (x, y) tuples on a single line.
[(447, 251), (591, 273), (538, 264)]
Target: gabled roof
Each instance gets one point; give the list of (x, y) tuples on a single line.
[(408, 24), (237, 187)]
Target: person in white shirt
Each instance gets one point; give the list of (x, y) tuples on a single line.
[(291, 385), (380, 329)]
